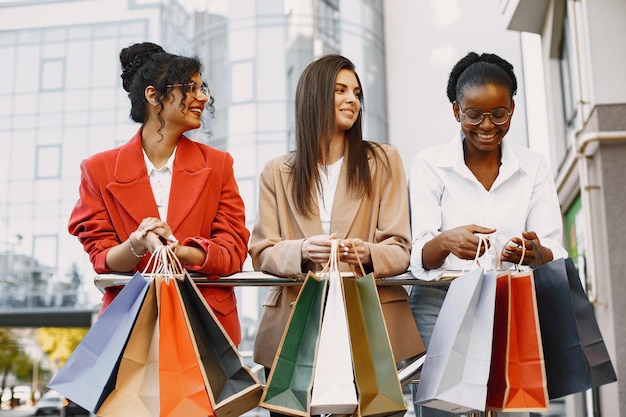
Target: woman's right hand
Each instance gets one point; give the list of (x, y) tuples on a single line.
[(150, 234), (317, 248)]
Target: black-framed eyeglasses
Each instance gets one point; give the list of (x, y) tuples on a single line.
[(194, 88), (498, 116)]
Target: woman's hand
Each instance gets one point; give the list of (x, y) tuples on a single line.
[(461, 241), (535, 254), (347, 252), (152, 233), (317, 248)]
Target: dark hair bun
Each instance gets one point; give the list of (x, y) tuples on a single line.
[(134, 57)]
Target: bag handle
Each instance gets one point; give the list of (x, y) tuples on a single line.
[(521, 259), (358, 258)]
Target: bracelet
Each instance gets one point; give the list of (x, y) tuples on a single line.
[(130, 243)]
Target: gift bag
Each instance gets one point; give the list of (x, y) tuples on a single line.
[(182, 388), (517, 378), (288, 388), (456, 369), (136, 390), (334, 391), (455, 373), (89, 374), (597, 357), (566, 366), (378, 386), (232, 387)]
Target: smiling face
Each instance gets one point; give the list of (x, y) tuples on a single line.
[(347, 103), (485, 136), (187, 116)]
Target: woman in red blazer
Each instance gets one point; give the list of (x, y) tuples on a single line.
[(162, 188)]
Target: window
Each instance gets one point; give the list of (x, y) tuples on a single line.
[(48, 161), (566, 63)]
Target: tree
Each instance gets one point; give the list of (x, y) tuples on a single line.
[(9, 351), (59, 342)]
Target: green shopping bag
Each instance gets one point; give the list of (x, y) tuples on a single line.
[(288, 388), (378, 386)]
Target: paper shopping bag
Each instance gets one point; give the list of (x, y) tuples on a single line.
[(599, 363), (136, 390), (517, 379), (288, 388), (378, 386), (231, 385), (566, 367), (456, 370), (182, 390), (89, 374), (334, 391)]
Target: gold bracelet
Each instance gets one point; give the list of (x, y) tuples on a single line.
[(130, 243)]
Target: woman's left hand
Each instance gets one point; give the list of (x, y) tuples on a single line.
[(347, 252), (535, 254)]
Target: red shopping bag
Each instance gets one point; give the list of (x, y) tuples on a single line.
[(517, 377)]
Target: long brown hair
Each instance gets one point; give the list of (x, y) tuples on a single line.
[(315, 127)]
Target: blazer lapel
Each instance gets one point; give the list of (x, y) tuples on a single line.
[(132, 187), (190, 177), (310, 225)]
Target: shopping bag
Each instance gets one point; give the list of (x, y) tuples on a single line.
[(599, 363), (136, 390), (334, 391), (288, 388), (378, 386), (566, 366), (232, 387), (182, 389), (517, 378), (89, 374), (456, 369)]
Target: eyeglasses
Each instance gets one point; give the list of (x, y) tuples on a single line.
[(498, 116), (194, 88)]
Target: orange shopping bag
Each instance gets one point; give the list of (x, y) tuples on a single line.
[(182, 388), (517, 378)]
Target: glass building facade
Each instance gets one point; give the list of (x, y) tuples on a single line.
[(61, 100)]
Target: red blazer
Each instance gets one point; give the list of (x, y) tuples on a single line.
[(205, 210)]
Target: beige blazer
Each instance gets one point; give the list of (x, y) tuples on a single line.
[(381, 219)]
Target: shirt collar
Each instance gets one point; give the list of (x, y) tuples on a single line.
[(169, 165)]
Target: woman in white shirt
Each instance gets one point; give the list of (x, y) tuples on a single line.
[(478, 184)]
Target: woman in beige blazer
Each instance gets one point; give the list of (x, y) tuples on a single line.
[(335, 185)]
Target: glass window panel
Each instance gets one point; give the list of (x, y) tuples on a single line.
[(270, 64), (28, 63), (242, 44), (77, 118), (25, 104), (6, 108), (7, 68), (28, 36), (52, 74), (47, 190), (45, 249), (54, 34), (8, 38), (78, 68), (48, 120), (102, 98), (75, 99), (79, 32), (21, 193), (242, 9), (50, 102), (241, 119), (245, 161), (271, 117), (242, 82), (102, 117), (48, 161), (50, 136), (105, 65), (23, 150)]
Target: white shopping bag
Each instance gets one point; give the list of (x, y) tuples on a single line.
[(456, 370), (334, 391)]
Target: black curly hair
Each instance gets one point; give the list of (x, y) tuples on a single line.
[(148, 64), (474, 70)]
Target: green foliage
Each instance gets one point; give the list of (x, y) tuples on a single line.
[(59, 342)]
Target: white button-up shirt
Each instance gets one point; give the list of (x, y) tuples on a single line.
[(161, 182), (445, 194)]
